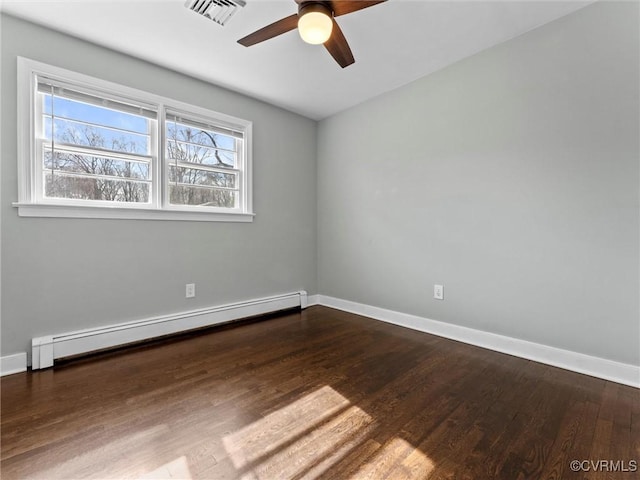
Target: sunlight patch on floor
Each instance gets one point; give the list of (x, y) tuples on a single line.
[(307, 435), (177, 469), (282, 426), (397, 458), (312, 435)]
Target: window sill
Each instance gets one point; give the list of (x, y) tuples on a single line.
[(119, 213)]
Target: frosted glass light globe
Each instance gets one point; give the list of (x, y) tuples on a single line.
[(315, 27)]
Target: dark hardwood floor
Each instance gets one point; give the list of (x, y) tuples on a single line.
[(313, 394)]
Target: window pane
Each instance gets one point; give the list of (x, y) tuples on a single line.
[(92, 188), (194, 176), (213, 157), (79, 133), (193, 148), (89, 164), (205, 197), (199, 136), (75, 110)]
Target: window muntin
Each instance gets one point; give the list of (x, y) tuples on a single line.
[(86, 144)]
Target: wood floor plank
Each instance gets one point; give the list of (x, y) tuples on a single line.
[(317, 394)]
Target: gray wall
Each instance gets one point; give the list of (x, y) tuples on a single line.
[(65, 274), (510, 177)]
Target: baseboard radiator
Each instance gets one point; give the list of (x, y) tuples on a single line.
[(44, 350)]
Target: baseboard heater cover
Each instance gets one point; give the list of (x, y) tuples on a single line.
[(44, 350)]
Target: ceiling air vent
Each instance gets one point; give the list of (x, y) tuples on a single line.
[(220, 11)]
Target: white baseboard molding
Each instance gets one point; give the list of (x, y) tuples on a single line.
[(577, 362), (11, 364), (313, 300), (48, 348)]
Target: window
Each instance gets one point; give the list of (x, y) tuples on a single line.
[(203, 162), (90, 148)]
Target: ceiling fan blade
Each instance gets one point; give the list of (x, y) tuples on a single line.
[(342, 7), (277, 28), (338, 47)]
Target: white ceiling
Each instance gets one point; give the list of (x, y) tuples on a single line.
[(394, 43)]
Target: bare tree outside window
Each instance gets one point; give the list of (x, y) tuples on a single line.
[(94, 153), (72, 174), (201, 170), (201, 167)]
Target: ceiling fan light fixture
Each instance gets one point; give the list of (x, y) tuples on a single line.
[(315, 23)]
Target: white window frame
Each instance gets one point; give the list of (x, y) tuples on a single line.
[(31, 201)]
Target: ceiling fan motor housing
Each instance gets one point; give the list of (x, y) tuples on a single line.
[(312, 6)]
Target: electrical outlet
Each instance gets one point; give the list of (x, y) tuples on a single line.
[(191, 290), (438, 292)]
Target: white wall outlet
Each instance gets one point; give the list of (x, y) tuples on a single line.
[(438, 292), (191, 290)]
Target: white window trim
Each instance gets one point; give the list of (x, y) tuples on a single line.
[(29, 205)]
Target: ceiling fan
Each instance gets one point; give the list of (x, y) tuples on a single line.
[(316, 23)]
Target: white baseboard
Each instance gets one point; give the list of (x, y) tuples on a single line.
[(577, 362), (47, 348), (11, 364)]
